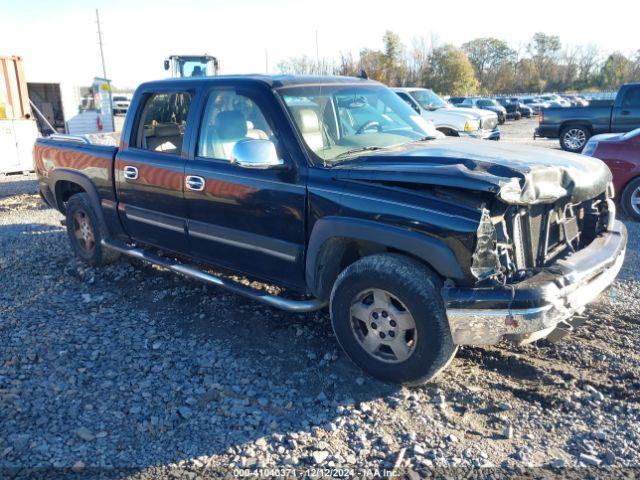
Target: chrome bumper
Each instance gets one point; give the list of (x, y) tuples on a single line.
[(534, 307), (483, 134)]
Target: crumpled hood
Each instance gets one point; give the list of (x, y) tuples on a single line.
[(518, 174)]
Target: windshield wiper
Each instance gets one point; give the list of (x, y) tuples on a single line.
[(357, 150)]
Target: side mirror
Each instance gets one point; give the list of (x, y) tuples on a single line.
[(166, 65), (417, 109), (255, 153)]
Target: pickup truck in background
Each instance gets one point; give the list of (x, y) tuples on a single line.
[(575, 125), (331, 189)]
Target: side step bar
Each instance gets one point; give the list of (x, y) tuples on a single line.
[(298, 306)]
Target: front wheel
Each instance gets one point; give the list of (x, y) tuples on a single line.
[(630, 199), (574, 137), (389, 318)]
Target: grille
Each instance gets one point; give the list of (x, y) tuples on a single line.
[(541, 233)]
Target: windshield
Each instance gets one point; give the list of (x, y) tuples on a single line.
[(120, 99), (428, 99), (486, 103), (339, 121)]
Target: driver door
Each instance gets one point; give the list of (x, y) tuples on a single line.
[(246, 219)]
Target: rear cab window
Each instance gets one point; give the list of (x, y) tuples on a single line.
[(163, 122)]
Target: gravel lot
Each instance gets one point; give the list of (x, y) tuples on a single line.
[(129, 367)]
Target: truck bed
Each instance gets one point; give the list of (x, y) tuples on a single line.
[(60, 159)]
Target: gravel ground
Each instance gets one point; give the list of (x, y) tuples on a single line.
[(129, 367)]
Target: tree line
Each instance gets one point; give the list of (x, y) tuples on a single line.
[(481, 66)]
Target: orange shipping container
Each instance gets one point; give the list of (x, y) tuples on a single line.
[(14, 99)]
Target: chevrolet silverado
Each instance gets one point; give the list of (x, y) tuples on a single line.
[(331, 189)]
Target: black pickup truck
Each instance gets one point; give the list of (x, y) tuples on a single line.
[(574, 125), (330, 189)]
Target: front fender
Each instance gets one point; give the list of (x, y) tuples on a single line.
[(431, 250)]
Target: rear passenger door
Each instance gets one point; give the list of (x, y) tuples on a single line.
[(249, 220), (626, 117), (149, 171)]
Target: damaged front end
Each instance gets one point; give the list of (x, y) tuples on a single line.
[(536, 264)]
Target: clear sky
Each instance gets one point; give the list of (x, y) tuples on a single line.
[(58, 39)]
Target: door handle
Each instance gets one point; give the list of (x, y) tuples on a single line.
[(195, 183), (130, 173)]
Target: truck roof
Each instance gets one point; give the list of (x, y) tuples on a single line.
[(273, 81)]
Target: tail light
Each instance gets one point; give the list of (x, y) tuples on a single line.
[(99, 123), (540, 117)]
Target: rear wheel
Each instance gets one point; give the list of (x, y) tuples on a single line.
[(85, 232), (389, 318), (574, 137), (630, 199)]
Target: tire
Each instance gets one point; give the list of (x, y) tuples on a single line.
[(85, 232), (630, 199), (410, 288), (574, 137)]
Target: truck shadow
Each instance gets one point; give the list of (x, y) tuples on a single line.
[(158, 369)]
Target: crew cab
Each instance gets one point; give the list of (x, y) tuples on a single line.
[(332, 190), (574, 125), (448, 120)]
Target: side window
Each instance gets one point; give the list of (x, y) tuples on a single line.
[(164, 117), (632, 98), (405, 97), (229, 118)]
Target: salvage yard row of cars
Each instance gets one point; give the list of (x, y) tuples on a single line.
[(342, 193)]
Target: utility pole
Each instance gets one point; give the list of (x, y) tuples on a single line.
[(317, 54), (104, 71)]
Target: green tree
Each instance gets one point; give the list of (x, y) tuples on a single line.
[(451, 72), (617, 69), (544, 50), (488, 55), (395, 65)]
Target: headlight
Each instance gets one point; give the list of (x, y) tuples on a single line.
[(485, 262), (590, 148)]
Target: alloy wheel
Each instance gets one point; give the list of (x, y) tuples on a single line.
[(575, 138), (635, 201), (383, 326), (83, 231)]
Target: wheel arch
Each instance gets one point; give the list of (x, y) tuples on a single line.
[(576, 123), (336, 242), (68, 182)]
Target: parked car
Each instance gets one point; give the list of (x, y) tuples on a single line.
[(525, 110), (486, 104), (120, 104), (450, 121), (535, 103), (512, 108), (555, 100), (456, 100), (621, 153), (416, 245), (575, 100), (574, 126)]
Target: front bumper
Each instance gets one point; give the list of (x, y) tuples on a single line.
[(533, 308), (483, 134)]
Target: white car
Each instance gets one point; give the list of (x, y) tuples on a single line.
[(448, 119), (120, 103), (557, 99)]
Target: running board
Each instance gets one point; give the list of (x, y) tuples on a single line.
[(298, 306)]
